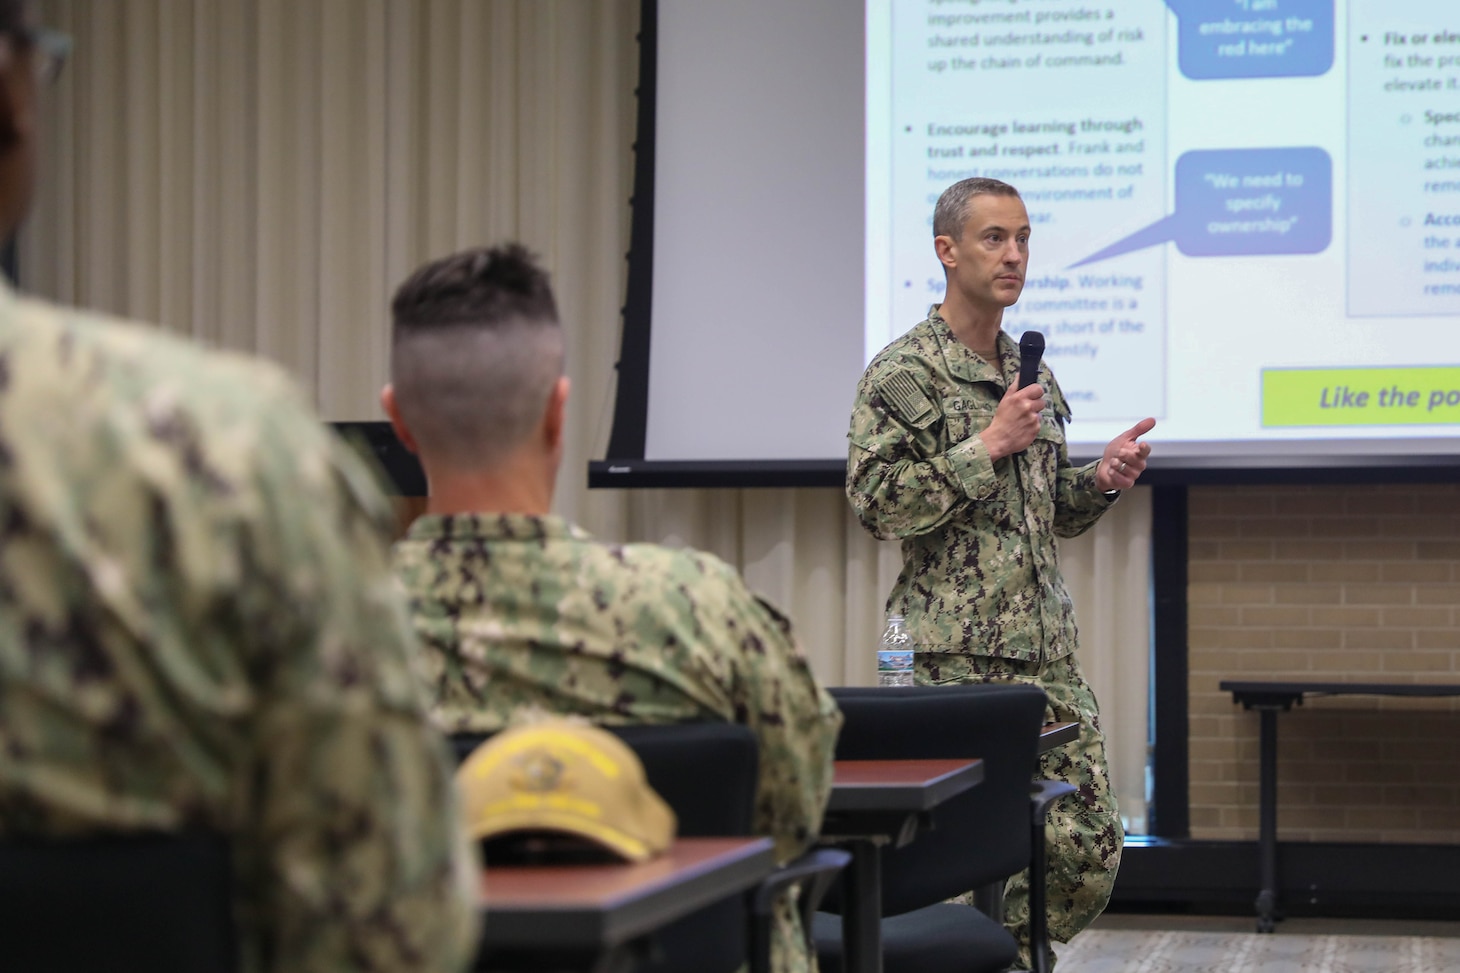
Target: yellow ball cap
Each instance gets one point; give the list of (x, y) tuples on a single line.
[(563, 776)]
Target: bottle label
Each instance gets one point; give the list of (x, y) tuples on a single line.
[(894, 660)]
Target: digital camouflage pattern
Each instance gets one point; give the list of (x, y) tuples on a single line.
[(980, 584), (521, 613), (199, 630), (980, 567), (1083, 833)]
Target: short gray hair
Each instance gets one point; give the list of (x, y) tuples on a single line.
[(952, 210), (476, 349)]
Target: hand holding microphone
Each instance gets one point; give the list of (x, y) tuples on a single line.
[(1016, 421)]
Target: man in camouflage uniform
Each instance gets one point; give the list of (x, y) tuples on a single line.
[(972, 475), (199, 630), (520, 610)]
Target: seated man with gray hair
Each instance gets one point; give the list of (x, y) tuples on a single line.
[(519, 609)]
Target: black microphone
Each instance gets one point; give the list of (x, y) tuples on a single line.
[(1031, 349)]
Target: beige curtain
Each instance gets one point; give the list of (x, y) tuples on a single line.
[(261, 174), (1108, 570)]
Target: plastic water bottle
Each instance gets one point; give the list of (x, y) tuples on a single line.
[(895, 654)]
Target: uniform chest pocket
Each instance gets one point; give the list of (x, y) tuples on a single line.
[(1044, 453), (1051, 430), (967, 417)]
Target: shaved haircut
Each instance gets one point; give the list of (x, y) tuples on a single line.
[(951, 213), (476, 349)]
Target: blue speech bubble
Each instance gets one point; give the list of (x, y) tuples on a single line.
[(1237, 202), (1254, 38)]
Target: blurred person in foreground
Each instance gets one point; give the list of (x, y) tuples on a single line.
[(970, 471), (199, 630), (521, 610)]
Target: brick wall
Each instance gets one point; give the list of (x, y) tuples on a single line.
[(1355, 583)]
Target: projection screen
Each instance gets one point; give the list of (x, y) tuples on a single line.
[(1245, 213)]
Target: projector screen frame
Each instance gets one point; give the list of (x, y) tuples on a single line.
[(1315, 470), (629, 431)]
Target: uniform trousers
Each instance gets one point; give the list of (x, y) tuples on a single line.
[(1083, 832)]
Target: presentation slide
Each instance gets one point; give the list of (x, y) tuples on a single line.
[(1245, 213)]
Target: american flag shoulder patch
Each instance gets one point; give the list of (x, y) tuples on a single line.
[(901, 391)]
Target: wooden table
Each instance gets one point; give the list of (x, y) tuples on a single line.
[(1269, 698), (878, 802), (598, 917)]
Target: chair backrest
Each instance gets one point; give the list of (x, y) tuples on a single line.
[(707, 773), (979, 836), (118, 904)]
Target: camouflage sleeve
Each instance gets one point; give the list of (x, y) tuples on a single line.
[(795, 720), (900, 483), (1078, 502), (360, 860)]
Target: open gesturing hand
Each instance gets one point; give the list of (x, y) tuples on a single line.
[(1124, 459)]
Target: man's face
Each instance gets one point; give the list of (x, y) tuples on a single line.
[(987, 264)]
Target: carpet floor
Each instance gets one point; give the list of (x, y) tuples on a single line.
[(1187, 951)]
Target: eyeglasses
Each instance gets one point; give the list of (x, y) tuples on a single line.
[(51, 50)]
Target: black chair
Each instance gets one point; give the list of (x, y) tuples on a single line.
[(707, 773), (147, 903), (980, 837)]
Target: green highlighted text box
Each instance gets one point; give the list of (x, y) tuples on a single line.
[(1361, 396)]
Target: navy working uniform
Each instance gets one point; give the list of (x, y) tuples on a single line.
[(199, 630), (980, 586)]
